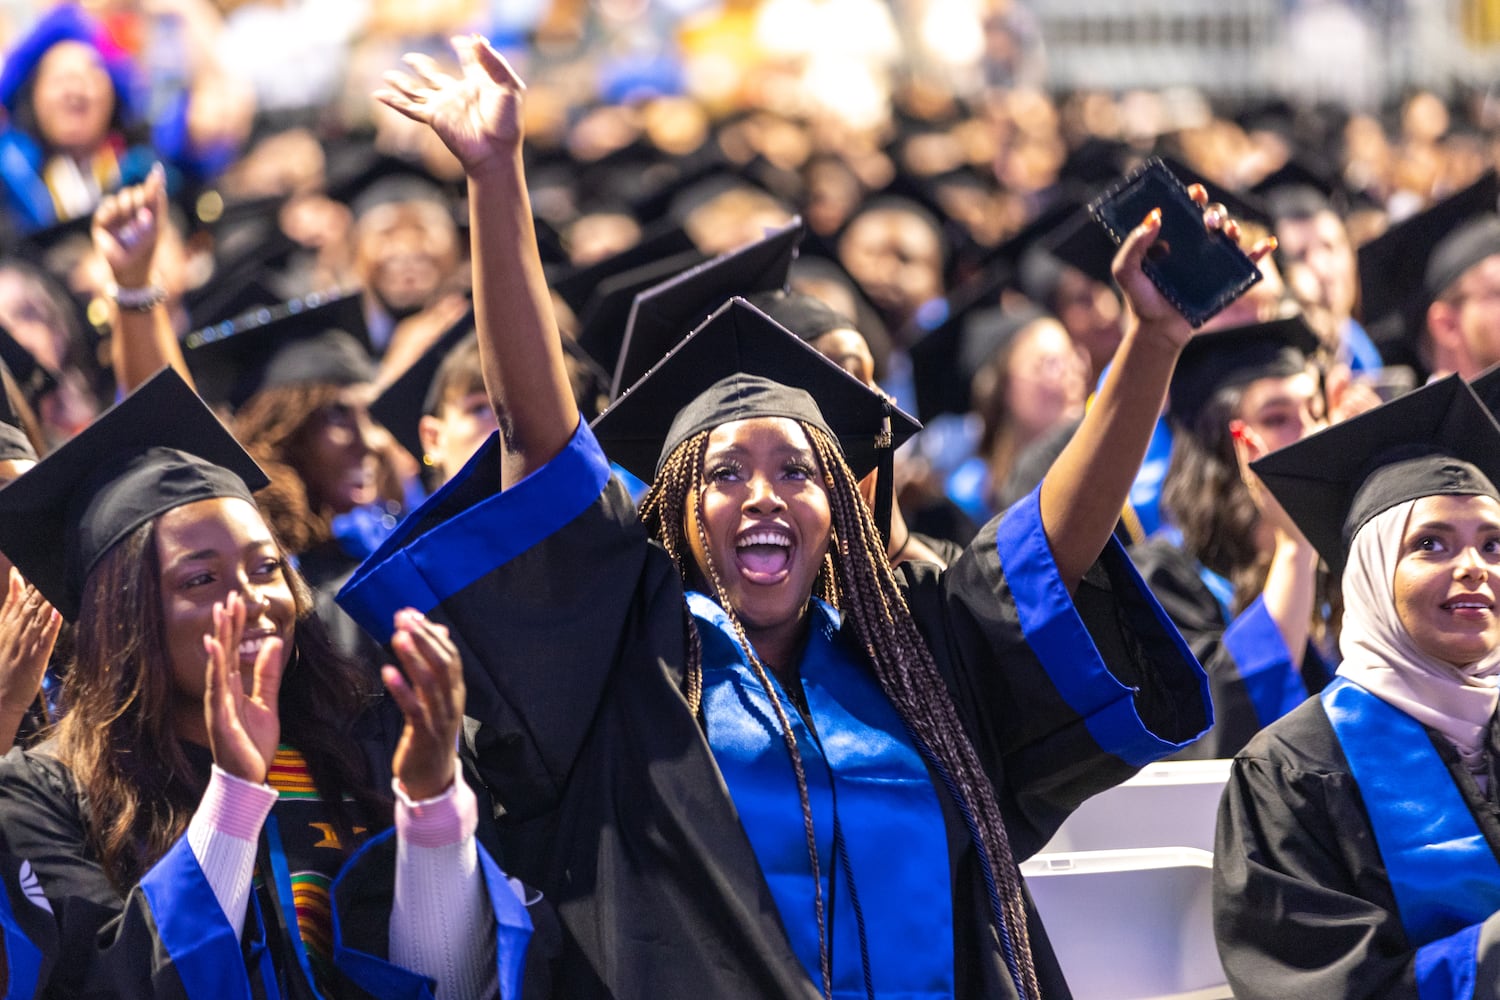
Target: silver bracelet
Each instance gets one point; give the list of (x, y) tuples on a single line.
[(137, 299)]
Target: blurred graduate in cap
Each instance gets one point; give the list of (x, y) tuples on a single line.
[(68, 89), (1430, 284), (1236, 575), (1357, 852), (214, 747), (681, 706)]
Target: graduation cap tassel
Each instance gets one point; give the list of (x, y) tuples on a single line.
[(885, 481)]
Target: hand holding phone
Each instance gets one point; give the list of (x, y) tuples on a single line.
[(1198, 270)]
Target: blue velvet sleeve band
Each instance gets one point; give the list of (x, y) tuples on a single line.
[(1057, 634), (1271, 679), (1445, 968), (421, 572), (193, 929)]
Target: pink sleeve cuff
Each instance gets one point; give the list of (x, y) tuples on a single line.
[(234, 806), (448, 819)]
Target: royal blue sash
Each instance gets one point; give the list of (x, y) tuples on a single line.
[(1442, 871), (863, 770)]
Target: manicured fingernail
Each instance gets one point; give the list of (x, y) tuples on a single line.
[(1272, 243), (1153, 217)]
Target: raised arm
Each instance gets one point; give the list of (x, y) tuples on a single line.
[(477, 114), (126, 227), (1087, 487)]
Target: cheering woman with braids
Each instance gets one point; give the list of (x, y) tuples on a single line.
[(742, 755)]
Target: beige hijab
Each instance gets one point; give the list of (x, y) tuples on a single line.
[(1380, 656)]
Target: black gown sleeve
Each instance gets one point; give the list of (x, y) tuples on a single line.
[(538, 584), (1063, 695), (167, 937), (1302, 905), (1251, 675)]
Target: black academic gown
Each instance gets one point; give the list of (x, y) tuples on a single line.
[(1251, 675), (571, 622), (1303, 901), (70, 934)]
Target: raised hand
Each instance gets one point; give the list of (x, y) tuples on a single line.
[(1145, 302), (477, 114), (243, 729), (28, 631), (127, 225), (431, 696)]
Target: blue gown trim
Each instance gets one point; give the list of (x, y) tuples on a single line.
[(23, 959), (1272, 681), (387, 981), (1221, 588), (193, 929), (1442, 871), (423, 572), (281, 883), (1445, 969), (1061, 641), (863, 768)]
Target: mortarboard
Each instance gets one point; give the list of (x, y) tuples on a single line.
[(1394, 281), (738, 364), (663, 314), (1437, 440), (1244, 206), (402, 404), (158, 449), (16, 442), (1220, 359), (945, 361), (602, 325), (31, 378), (317, 338), (659, 242)]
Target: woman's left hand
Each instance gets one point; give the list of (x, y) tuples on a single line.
[(431, 696), (126, 226), (1145, 302)]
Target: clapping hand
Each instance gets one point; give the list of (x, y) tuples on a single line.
[(431, 696), (243, 729)]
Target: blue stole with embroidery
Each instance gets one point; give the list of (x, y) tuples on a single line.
[(864, 771), (1442, 871)]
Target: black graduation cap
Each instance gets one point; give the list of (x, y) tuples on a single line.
[(317, 338), (642, 426), (1081, 243), (41, 245), (374, 178), (945, 361), (1236, 356), (1394, 283), (1439, 439), (662, 315), (1293, 173), (15, 443), (601, 327), (1242, 205), (160, 448), (657, 243), (402, 404)]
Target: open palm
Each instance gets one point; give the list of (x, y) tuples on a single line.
[(243, 728), (477, 114)]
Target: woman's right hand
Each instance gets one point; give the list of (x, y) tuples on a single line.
[(243, 729), (477, 114), (127, 225), (28, 631)]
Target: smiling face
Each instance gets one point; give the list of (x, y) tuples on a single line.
[(766, 517), (1445, 577), (334, 455), (206, 550), (73, 97)]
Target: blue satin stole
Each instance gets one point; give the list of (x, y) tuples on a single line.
[(864, 769), (1444, 875)]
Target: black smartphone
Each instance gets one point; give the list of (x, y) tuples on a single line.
[(1198, 270)]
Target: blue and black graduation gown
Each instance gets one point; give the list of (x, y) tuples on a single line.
[(618, 807), (1251, 674), (1356, 858), (69, 933)]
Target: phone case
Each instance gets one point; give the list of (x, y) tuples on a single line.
[(1197, 270)]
